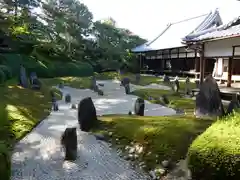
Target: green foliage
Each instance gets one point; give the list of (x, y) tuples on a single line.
[(216, 153), (5, 165), (2, 77), (7, 71)]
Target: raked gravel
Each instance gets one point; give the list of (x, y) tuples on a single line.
[(39, 156)]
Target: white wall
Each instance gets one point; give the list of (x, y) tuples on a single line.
[(222, 47)]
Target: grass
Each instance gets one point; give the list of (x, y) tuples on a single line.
[(160, 137), (20, 111), (176, 101)]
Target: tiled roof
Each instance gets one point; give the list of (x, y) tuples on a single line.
[(228, 30), (219, 33), (171, 36)]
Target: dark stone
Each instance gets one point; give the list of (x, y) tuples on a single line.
[(61, 86), (23, 77), (138, 77), (69, 142), (129, 113), (164, 99), (187, 86), (67, 98), (125, 81), (93, 83), (175, 85), (100, 92), (208, 100), (34, 81), (166, 79), (127, 89), (234, 104), (95, 88), (55, 106), (100, 84), (74, 106), (139, 107), (87, 116), (100, 137)]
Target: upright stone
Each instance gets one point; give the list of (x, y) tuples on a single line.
[(127, 88), (139, 107), (208, 100), (166, 79), (23, 77), (34, 81), (176, 85), (67, 98), (61, 86), (87, 116), (187, 86), (93, 83), (55, 106), (138, 77), (234, 104), (69, 142)]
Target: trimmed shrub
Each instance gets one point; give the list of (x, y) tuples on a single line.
[(2, 77), (7, 71), (215, 154)]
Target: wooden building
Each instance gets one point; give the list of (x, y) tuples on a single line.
[(222, 45), (166, 54)]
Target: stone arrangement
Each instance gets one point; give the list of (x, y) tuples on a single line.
[(234, 104), (69, 142), (87, 116), (139, 107), (208, 100), (67, 98)]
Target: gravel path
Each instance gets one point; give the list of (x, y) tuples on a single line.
[(39, 156)]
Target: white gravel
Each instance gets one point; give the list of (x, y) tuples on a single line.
[(38, 156)]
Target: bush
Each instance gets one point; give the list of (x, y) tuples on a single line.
[(215, 154), (5, 165), (7, 71), (2, 77)]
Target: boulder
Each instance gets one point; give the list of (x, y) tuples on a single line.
[(95, 88), (68, 98), (127, 89), (125, 81), (139, 107), (74, 106), (100, 92), (129, 113), (87, 116), (69, 142), (208, 100), (234, 104)]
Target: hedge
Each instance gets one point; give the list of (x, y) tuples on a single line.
[(2, 77), (215, 154), (7, 71)]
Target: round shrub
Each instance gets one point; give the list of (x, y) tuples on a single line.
[(7, 71), (2, 77), (215, 154)]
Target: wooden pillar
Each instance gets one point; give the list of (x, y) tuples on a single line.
[(202, 69), (229, 80)]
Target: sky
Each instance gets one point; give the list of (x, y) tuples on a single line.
[(147, 18)]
